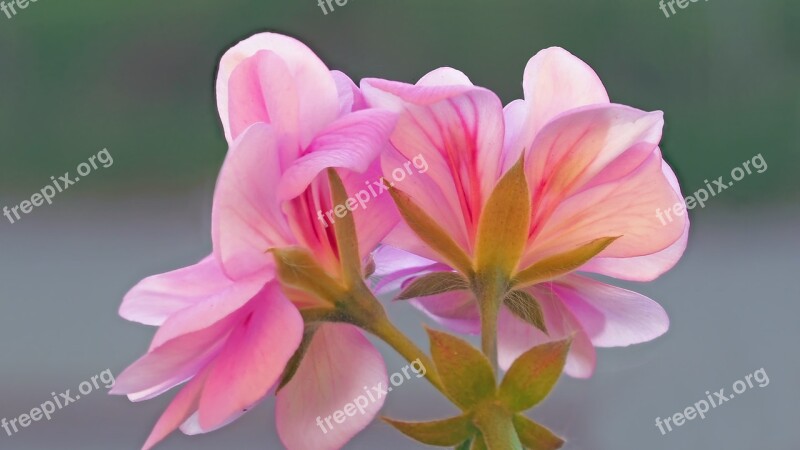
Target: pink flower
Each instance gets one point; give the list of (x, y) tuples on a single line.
[(227, 328), (594, 171)]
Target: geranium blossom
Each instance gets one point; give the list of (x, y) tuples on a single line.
[(227, 328), (594, 170)]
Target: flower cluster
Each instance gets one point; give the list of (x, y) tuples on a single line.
[(513, 202)]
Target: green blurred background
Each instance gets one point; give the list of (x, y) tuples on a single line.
[(137, 77)]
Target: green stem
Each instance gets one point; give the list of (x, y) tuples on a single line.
[(377, 322), (409, 350), (489, 293)]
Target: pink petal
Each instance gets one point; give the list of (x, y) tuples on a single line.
[(293, 86), (191, 427), (246, 218), (515, 115), (393, 95), (393, 267), (647, 267), (340, 368), (403, 237), (575, 147), (168, 365), (625, 207), (179, 410), (350, 97), (253, 359), (352, 142), (456, 311), (612, 316), (444, 76), (458, 132), (555, 81), (375, 215), (515, 336), (216, 307), (154, 299)]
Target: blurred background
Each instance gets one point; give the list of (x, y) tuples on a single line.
[(137, 78)]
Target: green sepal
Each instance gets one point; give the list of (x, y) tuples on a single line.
[(523, 305), (466, 374), (561, 264), (533, 375), (440, 433), (535, 436), (434, 283)]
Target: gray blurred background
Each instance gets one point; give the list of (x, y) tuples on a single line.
[(137, 78)]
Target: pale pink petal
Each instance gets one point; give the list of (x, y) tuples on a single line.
[(393, 267), (458, 132), (575, 147), (515, 336), (389, 260), (350, 97), (427, 193), (154, 299), (515, 115), (555, 81), (375, 215), (217, 307), (261, 90), (402, 236), (299, 87), (393, 95), (648, 267), (340, 368), (611, 316), (179, 410), (253, 359), (168, 365), (624, 207), (444, 76), (191, 427), (246, 218), (457, 311), (352, 142)]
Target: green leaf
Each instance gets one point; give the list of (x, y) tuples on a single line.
[(523, 305), (496, 427), (561, 264), (430, 232), (504, 224), (532, 376), (535, 436), (466, 374), (442, 433), (434, 283), (298, 269), (345, 230)]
